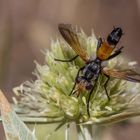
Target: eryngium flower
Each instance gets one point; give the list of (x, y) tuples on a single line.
[(48, 96)]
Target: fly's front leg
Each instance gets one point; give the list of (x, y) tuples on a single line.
[(105, 86), (69, 60), (72, 91)]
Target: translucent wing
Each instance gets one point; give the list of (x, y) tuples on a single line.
[(69, 34), (128, 75)]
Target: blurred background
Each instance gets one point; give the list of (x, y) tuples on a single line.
[(27, 27)]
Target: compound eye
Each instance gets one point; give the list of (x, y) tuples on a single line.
[(89, 86)]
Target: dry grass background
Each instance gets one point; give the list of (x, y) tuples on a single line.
[(27, 26)]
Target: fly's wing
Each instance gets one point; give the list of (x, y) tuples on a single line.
[(128, 75), (69, 34)]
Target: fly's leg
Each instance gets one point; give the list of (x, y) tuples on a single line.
[(88, 100), (100, 42), (72, 91), (116, 53), (105, 86), (69, 60)]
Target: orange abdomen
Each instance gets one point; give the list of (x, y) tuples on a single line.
[(104, 51)]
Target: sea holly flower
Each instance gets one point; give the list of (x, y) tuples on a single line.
[(48, 95)]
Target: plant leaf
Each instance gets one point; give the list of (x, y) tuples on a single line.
[(14, 128)]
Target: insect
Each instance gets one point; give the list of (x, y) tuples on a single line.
[(88, 75)]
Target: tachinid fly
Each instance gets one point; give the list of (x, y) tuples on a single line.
[(88, 75)]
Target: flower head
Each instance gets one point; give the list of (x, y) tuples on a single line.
[(48, 95)]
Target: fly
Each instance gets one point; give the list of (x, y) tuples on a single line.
[(88, 75)]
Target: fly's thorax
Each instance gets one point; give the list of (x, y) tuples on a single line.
[(91, 70), (105, 51)]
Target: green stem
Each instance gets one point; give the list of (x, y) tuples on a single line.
[(84, 132), (67, 134)]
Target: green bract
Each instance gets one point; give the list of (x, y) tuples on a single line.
[(48, 96)]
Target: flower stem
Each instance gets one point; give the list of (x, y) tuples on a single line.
[(67, 137), (84, 132)]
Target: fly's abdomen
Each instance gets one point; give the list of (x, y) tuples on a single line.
[(104, 51)]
